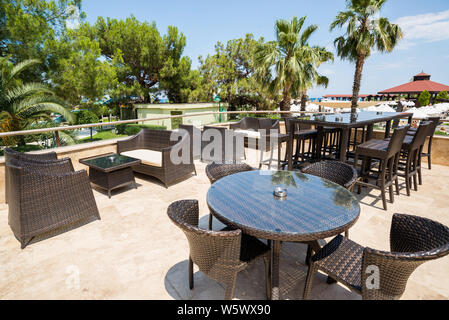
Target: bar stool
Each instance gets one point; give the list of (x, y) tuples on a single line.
[(302, 134), (435, 122), (387, 153), (410, 161)]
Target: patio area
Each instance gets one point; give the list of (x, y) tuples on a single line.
[(136, 252)]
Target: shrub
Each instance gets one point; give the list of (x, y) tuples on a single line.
[(442, 96), (133, 129), (86, 117), (424, 98)]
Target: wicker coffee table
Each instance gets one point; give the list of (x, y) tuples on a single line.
[(111, 171)]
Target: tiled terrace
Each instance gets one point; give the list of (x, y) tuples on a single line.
[(135, 252)]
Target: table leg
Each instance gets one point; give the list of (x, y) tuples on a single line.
[(319, 142), (344, 143), (289, 151), (388, 129), (275, 257), (369, 132)]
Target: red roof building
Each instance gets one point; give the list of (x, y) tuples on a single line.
[(420, 83)]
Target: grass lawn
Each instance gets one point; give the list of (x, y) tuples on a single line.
[(103, 135)]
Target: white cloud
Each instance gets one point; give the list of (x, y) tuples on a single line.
[(430, 27)]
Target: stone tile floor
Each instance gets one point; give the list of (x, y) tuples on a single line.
[(135, 252)]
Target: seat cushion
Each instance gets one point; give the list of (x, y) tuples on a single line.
[(148, 157), (248, 133), (342, 259)]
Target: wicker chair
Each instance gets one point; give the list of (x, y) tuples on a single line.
[(159, 141), (225, 150), (257, 133), (48, 199), (338, 172), (410, 162), (194, 133), (413, 241), (387, 153), (31, 157), (215, 172), (220, 255), (435, 122)]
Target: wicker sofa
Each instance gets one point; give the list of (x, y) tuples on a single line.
[(154, 147)]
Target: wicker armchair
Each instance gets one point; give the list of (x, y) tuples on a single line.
[(220, 255), (338, 172), (413, 241), (215, 172), (160, 144), (250, 128), (48, 199), (257, 133), (31, 157)]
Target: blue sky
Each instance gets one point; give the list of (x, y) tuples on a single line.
[(425, 46)]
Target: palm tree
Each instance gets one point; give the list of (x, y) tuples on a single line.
[(24, 104), (289, 63), (364, 32), (309, 76)]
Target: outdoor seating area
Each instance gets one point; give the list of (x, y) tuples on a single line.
[(249, 233)]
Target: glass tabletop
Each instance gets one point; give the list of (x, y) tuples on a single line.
[(348, 118), (109, 161), (313, 206)]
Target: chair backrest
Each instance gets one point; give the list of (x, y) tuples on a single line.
[(338, 172), (224, 150), (216, 171), (211, 251), (10, 153), (413, 241), (435, 123), (396, 140), (155, 139), (298, 126), (194, 133), (29, 157), (421, 134)]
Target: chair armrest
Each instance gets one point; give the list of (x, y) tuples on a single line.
[(235, 125), (129, 144), (181, 144)]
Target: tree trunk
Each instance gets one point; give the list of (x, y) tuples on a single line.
[(357, 80), (303, 101), (286, 102)]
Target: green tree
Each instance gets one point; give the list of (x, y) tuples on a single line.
[(230, 72), (87, 117), (442, 96), (288, 64), (424, 98), (77, 70), (146, 62), (23, 104), (364, 32), (25, 25)]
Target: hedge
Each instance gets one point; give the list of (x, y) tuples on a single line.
[(133, 129)]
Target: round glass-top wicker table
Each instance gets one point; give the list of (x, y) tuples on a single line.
[(313, 209)]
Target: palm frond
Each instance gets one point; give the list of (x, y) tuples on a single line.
[(22, 66), (26, 90)]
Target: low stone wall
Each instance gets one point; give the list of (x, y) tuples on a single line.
[(440, 154)]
